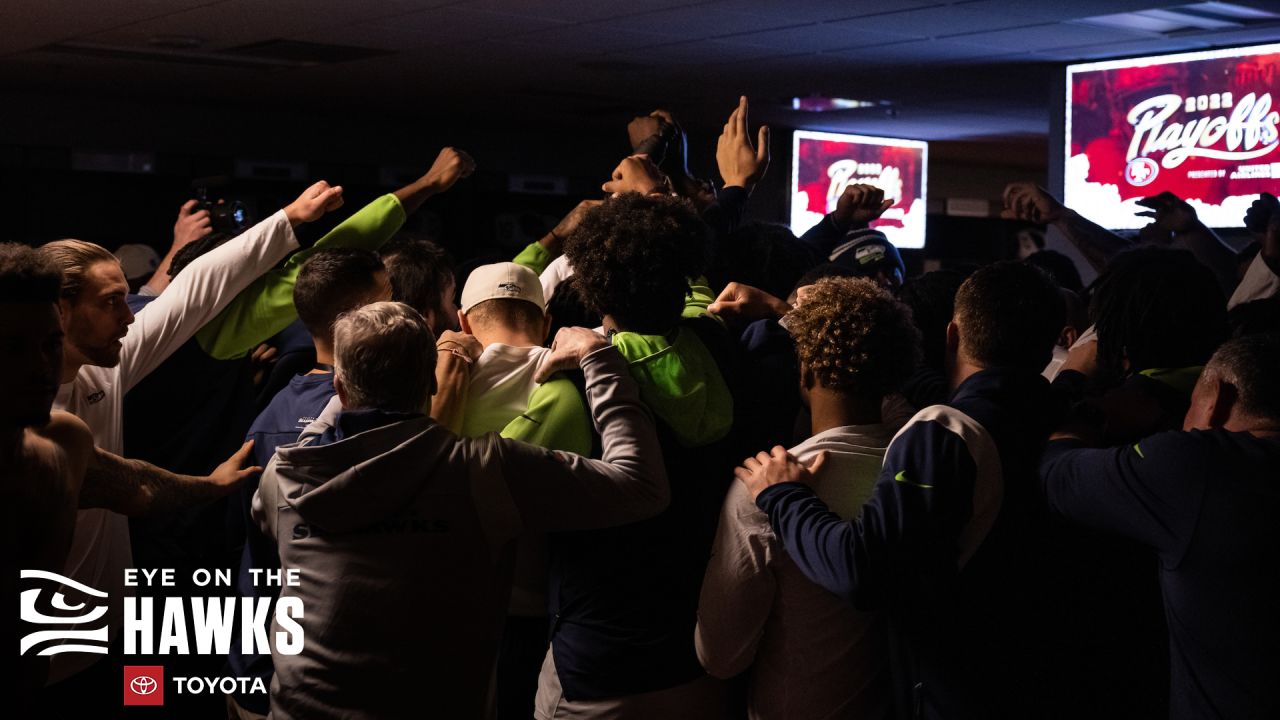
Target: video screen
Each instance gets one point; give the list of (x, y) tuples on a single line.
[(1200, 125), (824, 164)]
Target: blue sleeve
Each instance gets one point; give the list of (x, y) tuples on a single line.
[(723, 217), (1149, 491), (822, 238), (906, 536)]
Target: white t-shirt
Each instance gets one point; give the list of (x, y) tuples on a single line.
[(1258, 283), (100, 549), (501, 383), (556, 272), (810, 653)]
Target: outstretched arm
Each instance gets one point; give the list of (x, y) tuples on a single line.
[(1174, 222), (209, 283), (265, 307), (1032, 203), (857, 207), (137, 488), (190, 226)]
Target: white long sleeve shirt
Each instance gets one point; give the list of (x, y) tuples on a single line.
[(100, 549)]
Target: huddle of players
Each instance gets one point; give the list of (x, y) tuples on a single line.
[(437, 489)]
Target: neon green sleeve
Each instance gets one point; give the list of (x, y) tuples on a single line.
[(265, 307), (556, 419), (534, 256), (696, 304)]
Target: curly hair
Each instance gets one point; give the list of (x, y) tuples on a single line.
[(633, 257), (855, 337)]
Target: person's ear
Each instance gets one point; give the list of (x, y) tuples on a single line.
[(340, 389), (546, 327), (1225, 399), (466, 328), (1212, 402), (953, 339), (1068, 337)]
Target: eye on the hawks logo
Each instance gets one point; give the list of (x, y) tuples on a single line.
[(1141, 171), (48, 605), (143, 684)]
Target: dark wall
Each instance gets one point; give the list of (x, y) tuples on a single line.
[(49, 139)]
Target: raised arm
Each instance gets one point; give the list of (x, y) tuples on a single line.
[(209, 283), (190, 226), (538, 255), (136, 488), (857, 207), (265, 307), (1032, 203), (559, 491), (1174, 222)]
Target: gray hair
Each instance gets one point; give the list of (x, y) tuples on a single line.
[(385, 357), (1249, 363)]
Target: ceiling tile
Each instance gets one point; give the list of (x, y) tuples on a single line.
[(1045, 37), (578, 10), (821, 10)]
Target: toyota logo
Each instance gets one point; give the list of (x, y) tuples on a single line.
[(143, 685)]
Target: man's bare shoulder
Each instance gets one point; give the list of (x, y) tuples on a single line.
[(65, 441)]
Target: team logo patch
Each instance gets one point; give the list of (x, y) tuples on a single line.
[(65, 611)]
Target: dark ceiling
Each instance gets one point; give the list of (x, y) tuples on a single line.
[(974, 69)]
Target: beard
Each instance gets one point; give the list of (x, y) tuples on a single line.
[(107, 355)]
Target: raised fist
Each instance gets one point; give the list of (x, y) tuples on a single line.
[(451, 165), (313, 203), (1260, 213), (859, 205), (1031, 203)]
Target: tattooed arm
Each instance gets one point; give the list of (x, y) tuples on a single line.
[(136, 488)]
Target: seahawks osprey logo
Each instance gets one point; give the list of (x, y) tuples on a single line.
[(509, 287), (48, 604)]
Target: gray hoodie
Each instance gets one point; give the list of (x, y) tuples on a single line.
[(404, 535)]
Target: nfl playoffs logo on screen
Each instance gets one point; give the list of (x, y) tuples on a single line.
[(143, 684)]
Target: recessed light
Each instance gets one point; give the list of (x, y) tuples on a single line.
[(821, 103)]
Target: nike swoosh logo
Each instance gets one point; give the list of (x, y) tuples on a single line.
[(902, 478)]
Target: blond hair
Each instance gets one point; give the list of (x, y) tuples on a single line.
[(74, 258)]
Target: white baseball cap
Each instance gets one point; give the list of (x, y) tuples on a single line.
[(137, 260), (502, 280)]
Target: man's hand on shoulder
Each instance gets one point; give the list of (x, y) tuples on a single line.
[(571, 345), (775, 467)]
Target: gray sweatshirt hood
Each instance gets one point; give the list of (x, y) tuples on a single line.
[(362, 479)]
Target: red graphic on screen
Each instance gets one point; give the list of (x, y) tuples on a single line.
[(824, 167), (144, 685), (1202, 129)]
